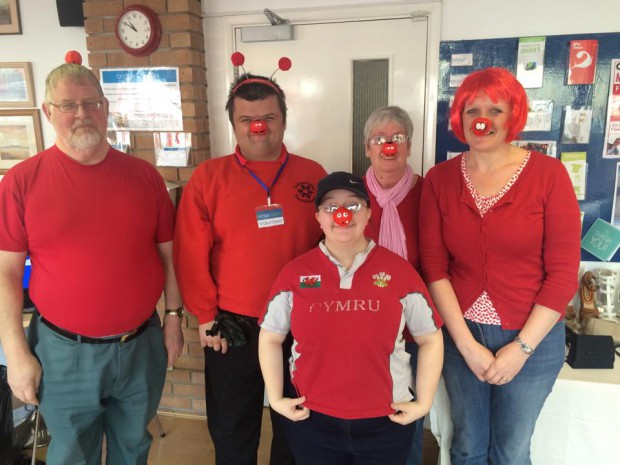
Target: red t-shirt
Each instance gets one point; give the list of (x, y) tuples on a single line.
[(348, 356), (91, 232)]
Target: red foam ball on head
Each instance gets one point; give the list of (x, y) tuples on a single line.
[(237, 59), (285, 63), (73, 57)]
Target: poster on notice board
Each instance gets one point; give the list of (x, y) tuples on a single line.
[(612, 128), (582, 56), (530, 61)]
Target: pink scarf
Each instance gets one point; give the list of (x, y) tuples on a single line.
[(391, 231)]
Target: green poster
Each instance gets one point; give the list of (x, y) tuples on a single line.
[(602, 240)]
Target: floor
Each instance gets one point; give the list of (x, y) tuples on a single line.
[(187, 440)]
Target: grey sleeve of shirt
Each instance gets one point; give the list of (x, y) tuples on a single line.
[(278, 316), (418, 314)]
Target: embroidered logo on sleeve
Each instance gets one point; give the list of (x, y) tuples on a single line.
[(310, 281), (381, 279)]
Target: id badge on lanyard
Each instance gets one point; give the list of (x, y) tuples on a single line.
[(268, 216), (272, 214)]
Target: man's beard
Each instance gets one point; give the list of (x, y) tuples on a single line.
[(88, 137)]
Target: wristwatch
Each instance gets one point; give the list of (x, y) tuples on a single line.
[(525, 347), (176, 312)]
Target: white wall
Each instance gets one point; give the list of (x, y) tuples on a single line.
[(225, 7), (487, 19), (44, 44), (473, 19)]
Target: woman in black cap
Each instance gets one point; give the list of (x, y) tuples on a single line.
[(346, 303)]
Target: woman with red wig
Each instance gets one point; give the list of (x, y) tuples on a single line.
[(501, 235)]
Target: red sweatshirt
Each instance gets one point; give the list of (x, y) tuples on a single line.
[(222, 258)]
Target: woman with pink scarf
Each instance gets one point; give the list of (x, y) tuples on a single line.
[(394, 191)]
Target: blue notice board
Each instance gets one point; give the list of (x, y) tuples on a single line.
[(601, 174)]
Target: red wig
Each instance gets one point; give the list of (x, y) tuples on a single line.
[(498, 84)]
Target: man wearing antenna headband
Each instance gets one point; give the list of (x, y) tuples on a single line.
[(240, 219)]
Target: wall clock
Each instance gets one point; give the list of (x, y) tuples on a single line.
[(138, 30)]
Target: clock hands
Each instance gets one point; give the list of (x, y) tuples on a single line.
[(127, 23)]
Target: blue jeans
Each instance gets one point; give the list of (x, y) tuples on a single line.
[(494, 423), (415, 453), (326, 440)]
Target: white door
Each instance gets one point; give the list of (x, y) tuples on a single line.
[(319, 85)]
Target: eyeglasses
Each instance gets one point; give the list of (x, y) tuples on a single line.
[(72, 107), (395, 139), (352, 207)]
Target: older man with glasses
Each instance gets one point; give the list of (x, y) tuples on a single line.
[(98, 227)]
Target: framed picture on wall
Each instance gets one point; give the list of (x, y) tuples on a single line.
[(16, 89), (20, 136), (9, 17)]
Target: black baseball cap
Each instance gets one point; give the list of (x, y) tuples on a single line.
[(341, 180)]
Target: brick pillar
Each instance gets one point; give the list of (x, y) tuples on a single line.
[(182, 45)]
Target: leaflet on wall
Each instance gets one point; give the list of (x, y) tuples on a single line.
[(582, 56), (143, 99), (615, 210), (539, 115), (172, 148), (577, 124), (575, 163), (530, 61), (120, 140), (602, 240), (548, 147), (457, 79), (462, 59), (450, 108), (612, 126), (451, 155)]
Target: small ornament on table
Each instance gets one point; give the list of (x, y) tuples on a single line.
[(587, 297)]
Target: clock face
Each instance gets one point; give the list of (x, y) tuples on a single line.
[(138, 30), (134, 29)]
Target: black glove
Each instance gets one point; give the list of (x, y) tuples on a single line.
[(228, 328)]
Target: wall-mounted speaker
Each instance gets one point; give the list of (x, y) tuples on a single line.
[(70, 12)]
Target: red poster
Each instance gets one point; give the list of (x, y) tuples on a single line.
[(582, 61)]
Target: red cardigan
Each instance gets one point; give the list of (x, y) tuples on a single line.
[(524, 251)]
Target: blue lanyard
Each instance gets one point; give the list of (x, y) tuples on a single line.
[(259, 180)]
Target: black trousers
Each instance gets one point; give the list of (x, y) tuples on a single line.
[(234, 396)]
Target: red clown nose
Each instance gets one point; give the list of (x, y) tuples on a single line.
[(481, 126), (258, 126), (389, 149), (342, 216)]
